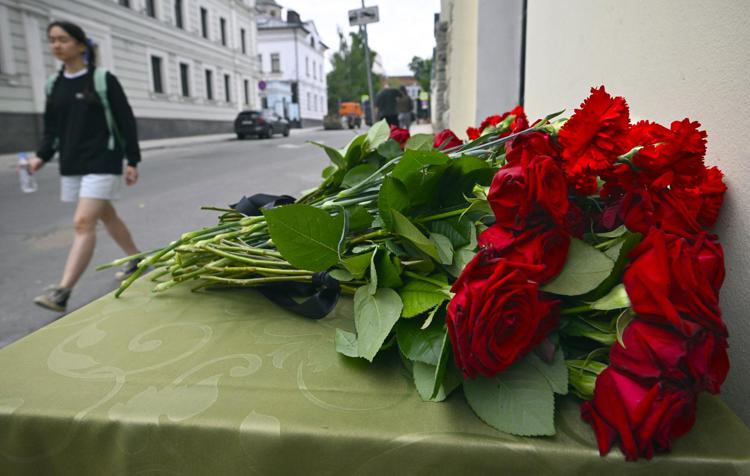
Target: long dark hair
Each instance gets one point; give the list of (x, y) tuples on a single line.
[(77, 33)]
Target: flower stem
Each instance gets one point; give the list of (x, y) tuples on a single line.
[(577, 310), (440, 216)]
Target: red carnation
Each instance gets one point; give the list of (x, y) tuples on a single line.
[(643, 417), (706, 197), (446, 139), (673, 281), (473, 133), (496, 316), (399, 135), (527, 146), (596, 134), (664, 209), (547, 246)]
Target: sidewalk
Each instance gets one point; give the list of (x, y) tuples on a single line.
[(9, 160)]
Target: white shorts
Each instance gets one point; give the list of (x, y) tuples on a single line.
[(101, 186)]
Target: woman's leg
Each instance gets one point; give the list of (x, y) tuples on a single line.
[(88, 212), (117, 229)]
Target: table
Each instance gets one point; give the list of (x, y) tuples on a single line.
[(226, 383)]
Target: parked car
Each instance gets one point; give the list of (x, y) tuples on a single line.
[(263, 124)]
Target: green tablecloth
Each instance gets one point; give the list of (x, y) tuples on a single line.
[(226, 383)]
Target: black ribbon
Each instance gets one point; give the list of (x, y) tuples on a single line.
[(252, 205), (315, 300)]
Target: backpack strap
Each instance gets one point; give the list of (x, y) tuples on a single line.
[(100, 86), (51, 79)]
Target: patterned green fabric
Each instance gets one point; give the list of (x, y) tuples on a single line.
[(226, 383)]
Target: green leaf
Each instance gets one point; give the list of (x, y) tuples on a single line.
[(378, 134), (461, 258), (328, 171), (457, 230), (443, 246), (518, 401), (389, 272), (461, 177), (341, 275), (425, 381), (405, 228), (617, 298), (420, 296), (346, 343), (625, 318), (416, 160), (392, 197), (354, 151), (617, 232), (389, 149), (442, 367), (420, 345), (372, 287), (332, 153), (359, 218), (374, 317), (420, 142), (585, 268), (357, 174), (306, 236), (358, 264), (556, 373)]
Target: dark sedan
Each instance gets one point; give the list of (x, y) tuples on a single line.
[(261, 124)]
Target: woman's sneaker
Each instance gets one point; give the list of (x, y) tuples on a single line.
[(127, 269), (54, 298)]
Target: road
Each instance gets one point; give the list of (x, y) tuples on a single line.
[(37, 231)]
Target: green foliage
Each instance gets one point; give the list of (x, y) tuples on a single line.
[(347, 80), (419, 296), (374, 317), (422, 70), (585, 269)]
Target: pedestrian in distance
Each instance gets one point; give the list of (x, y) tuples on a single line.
[(88, 121), (386, 101), (404, 106)]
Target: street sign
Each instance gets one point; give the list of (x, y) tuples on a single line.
[(262, 85), (363, 16)]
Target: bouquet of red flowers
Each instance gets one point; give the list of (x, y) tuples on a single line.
[(532, 260), (599, 251)]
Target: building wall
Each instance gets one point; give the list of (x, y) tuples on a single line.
[(283, 41), (671, 59), (126, 38), (462, 64)]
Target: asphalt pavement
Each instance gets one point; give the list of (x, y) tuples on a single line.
[(175, 181)]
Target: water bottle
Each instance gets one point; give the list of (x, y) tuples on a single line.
[(28, 181)]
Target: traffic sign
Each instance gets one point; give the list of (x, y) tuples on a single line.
[(262, 85), (363, 16)]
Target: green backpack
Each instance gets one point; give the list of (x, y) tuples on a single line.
[(100, 86)]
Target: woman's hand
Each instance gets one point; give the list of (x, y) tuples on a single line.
[(35, 163), (131, 175)]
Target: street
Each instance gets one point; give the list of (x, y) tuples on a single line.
[(174, 183)]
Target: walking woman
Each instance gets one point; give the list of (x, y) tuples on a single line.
[(88, 121)]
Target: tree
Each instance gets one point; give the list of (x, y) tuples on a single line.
[(347, 81), (422, 70)]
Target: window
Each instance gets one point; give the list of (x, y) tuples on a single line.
[(246, 83), (312, 41), (227, 83), (151, 8), (223, 28), (209, 84), (320, 70), (243, 46), (178, 14), (308, 101), (307, 66), (315, 71), (156, 74), (124, 3), (275, 66), (204, 22), (185, 79), (315, 102), (260, 62)]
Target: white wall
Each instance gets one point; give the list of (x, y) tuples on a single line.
[(671, 59)]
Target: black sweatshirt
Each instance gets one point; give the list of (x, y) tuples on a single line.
[(75, 116)]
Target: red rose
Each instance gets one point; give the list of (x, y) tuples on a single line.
[(535, 189), (547, 246), (596, 134), (676, 160), (671, 280), (518, 123), (447, 139), (527, 146), (496, 316), (653, 353), (399, 135), (473, 133), (642, 417)]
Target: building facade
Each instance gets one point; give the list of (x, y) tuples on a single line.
[(187, 66), (290, 51)]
